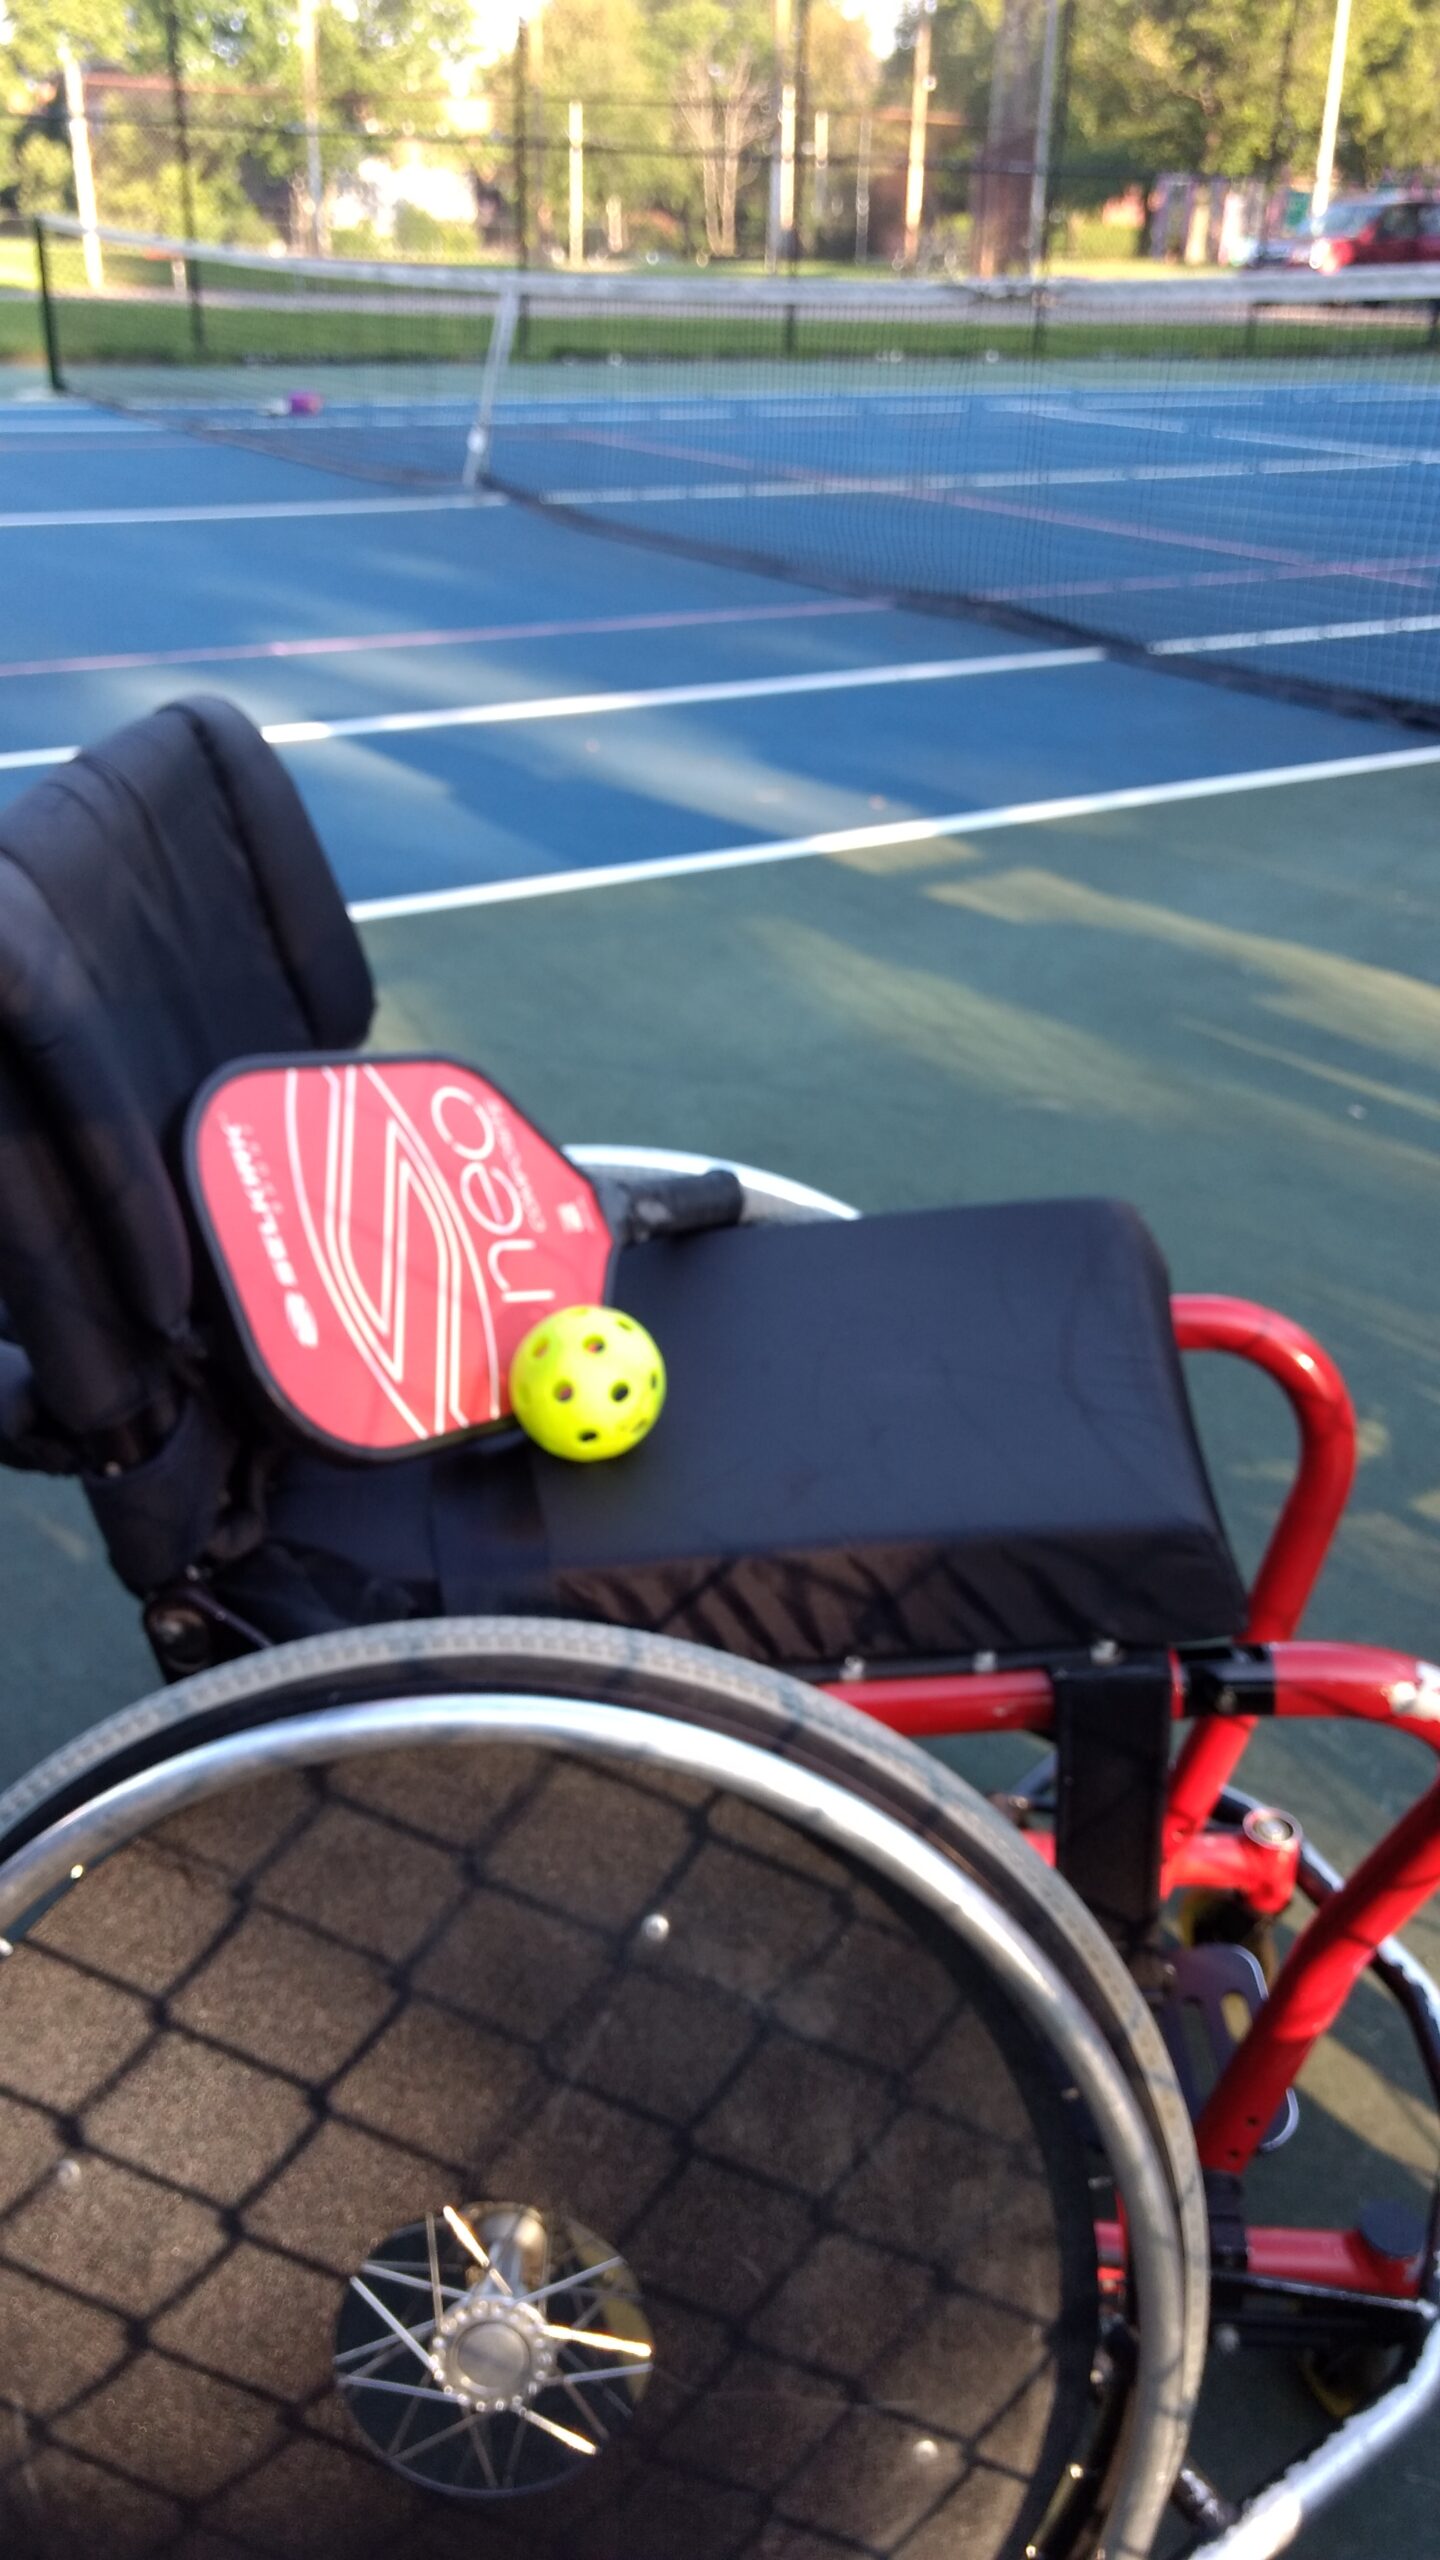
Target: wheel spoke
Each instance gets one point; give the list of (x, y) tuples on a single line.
[(417, 2284), (408, 2416), (379, 2354), (572, 2284), (467, 2240), (402, 2390), (606, 2373), (406, 2336), (443, 2435), (437, 2290), (636, 2347), (568, 2382), (562, 2435), (480, 2446)]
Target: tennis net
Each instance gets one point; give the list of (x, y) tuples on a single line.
[(1235, 475)]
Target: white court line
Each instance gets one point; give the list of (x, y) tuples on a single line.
[(913, 484), (577, 706), (842, 840), (64, 519), (69, 422), (1069, 413), (1323, 444), (1302, 631), (589, 706)]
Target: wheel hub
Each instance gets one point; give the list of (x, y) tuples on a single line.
[(493, 2350), (494, 2354)]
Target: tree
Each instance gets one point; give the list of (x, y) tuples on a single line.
[(381, 61), (595, 50), (713, 65), (723, 109)]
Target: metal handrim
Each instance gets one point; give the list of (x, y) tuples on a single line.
[(1159, 2412)]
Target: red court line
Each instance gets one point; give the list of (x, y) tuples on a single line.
[(347, 644), (975, 503), (1070, 520)]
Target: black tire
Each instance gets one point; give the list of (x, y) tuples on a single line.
[(167, 2279)]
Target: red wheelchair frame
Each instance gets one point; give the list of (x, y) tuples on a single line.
[(1261, 1856)]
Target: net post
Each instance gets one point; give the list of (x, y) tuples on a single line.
[(47, 308), (1432, 334), (497, 357), (1037, 321), (790, 335)]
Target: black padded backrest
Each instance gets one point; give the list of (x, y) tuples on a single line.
[(165, 906)]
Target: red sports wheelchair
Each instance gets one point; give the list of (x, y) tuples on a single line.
[(515, 2050)]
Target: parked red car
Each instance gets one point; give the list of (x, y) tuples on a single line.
[(1377, 230)]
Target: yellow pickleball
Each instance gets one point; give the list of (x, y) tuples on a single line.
[(587, 1382)]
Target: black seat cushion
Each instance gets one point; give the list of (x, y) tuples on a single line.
[(909, 1436)]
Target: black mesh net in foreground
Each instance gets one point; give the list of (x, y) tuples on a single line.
[(1234, 475), (358, 368), (253, 2056)]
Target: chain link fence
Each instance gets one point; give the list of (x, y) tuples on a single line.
[(705, 176)]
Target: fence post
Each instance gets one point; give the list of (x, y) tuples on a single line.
[(1039, 208), (576, 136), (775, 209), (920, 87), (801, 114), (77, 119), (310, 108), (519, 144), (187, 188), (47, 309)]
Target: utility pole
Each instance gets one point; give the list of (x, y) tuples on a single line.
[(780, 212), (920, 88), (862, 193), (1330, 121), (187, 188), (576, 131), (520, 143), (308, 12), (1044, 119), (73, 78)]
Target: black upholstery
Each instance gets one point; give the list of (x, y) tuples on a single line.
[(923, 1435), (164, 906), (957, 1430)]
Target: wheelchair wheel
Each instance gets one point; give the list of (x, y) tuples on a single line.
[(518, 2088)]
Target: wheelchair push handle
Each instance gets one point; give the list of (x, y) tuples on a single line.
[(643, 1208)]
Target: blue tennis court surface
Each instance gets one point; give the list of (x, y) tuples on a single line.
[(475, 695), (905, 903), (1275, 516)]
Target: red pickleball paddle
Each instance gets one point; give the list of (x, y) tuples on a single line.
[(387, 1230)]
